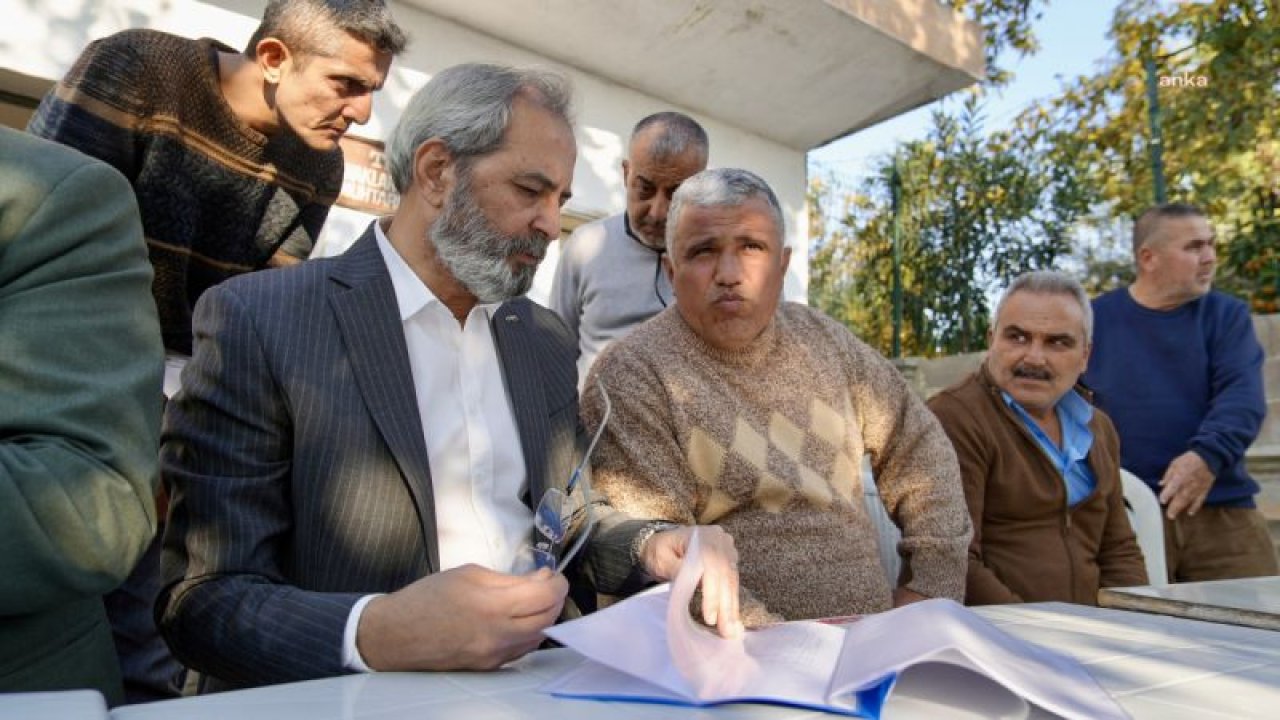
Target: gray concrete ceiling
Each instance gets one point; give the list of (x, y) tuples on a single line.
[(798, 72)]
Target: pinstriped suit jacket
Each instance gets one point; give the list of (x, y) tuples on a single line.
[(298, 470)]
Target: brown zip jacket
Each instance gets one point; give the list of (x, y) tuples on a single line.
[(1028, 546)]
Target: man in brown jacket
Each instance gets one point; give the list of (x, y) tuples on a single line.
[(1040, 465)]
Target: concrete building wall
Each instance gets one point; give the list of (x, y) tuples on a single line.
[(40, 40)]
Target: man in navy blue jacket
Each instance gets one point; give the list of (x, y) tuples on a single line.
[(1178, 368)]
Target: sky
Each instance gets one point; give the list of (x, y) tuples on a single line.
[(1072, 35)]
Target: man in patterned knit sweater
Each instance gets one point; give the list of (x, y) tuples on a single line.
[(235, 162), (234, 156), (729, 409)]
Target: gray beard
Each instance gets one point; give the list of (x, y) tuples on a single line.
[(477, 254)]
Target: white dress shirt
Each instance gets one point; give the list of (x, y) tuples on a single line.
[(477, 466)]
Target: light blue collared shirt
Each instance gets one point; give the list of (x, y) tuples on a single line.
[(1071, 459)]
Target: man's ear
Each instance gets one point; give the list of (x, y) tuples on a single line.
[(786, 258), (273, 56), (626, 172), (1145, 255), (434, 171)]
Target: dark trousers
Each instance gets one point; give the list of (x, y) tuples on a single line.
[(150, 671)]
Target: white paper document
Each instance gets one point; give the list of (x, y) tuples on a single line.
[(648, 648)]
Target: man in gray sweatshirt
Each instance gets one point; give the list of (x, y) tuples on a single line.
[(609, 278)]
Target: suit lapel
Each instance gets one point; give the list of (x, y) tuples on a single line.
[(364, 303), (512, 333)]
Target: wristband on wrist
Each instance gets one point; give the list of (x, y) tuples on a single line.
[(642, 537)]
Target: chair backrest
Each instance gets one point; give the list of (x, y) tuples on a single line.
[(1145, 517), (887, 533)]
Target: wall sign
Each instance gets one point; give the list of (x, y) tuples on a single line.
[(366, 184)]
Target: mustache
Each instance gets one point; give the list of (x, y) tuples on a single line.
[(1032, 373), (533, 244)]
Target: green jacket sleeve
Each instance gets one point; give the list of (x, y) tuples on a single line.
[(80, 374)]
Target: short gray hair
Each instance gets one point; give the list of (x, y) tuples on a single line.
[(1051, 282), (469, 107), (1148, 223), (306, 26), (721, 187), (677, 134)]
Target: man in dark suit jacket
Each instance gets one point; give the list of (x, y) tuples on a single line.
[(80, 372), (383, 421)]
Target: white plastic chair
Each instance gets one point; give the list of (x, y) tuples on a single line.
[(887, 533), (1145, 517)]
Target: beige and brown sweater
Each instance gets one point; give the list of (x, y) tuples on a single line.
[(767, 443)]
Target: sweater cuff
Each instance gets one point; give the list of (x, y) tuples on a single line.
[(938, 574), (1211, 458)]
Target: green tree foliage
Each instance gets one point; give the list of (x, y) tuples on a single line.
[(1218, 69), (1006, 29), (976, 208), (1055, 189)]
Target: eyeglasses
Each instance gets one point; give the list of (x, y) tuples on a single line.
[(556, 510), (657, 275)]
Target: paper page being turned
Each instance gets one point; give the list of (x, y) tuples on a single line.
[(650, 647), (714, 666), (790, 662), (787, 662), (653, 639)]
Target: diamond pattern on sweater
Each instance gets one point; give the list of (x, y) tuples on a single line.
[(814, 487), (718, 505), (827, 423), (776, 468), (706, 457), (750, 445), (772, 494), (844, 475), (786, 436)]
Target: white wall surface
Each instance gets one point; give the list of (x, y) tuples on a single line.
[(42, 38)]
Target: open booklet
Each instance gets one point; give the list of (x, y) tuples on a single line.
[(648, 648)]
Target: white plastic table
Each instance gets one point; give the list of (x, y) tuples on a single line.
[(1155, 666), (67, 705)]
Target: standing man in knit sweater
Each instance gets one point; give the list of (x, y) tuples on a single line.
[(610, 277), (731, 409), (233, 155), (1178, 368), (1041, 467), (235, 162)]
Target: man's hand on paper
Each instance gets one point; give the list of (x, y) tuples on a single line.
[(906, 596), (663, 554), (467, 618)]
